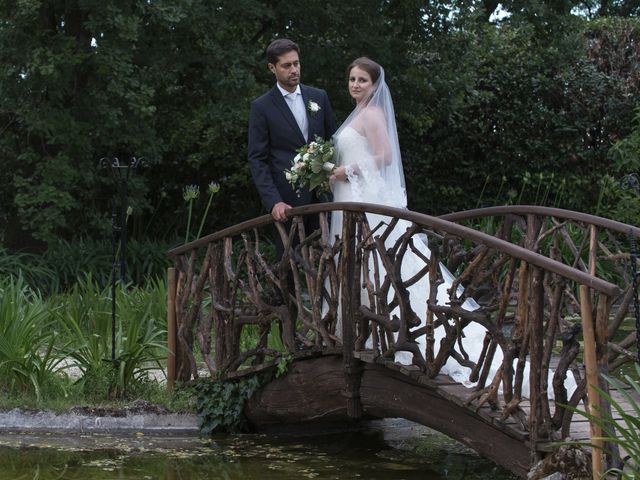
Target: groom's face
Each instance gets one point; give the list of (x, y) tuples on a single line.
[(287, 70)]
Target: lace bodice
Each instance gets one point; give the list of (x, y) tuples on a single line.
[(350, 145), (367, 185)]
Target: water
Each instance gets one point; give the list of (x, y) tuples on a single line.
[(346, 455)]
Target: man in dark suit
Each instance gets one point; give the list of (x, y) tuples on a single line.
[(281, 121)]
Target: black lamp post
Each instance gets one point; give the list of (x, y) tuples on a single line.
[(121, 173)]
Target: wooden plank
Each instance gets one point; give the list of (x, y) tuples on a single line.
[(417, 375), (457, 394), (496, 418), (509, 426), (409, 369), (445, 380), (368, 356)]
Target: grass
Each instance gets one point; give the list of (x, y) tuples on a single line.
[(181, 400), (42, 340), (623, 431), (27, 340)]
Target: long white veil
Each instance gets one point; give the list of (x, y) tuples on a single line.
[(388, 184)]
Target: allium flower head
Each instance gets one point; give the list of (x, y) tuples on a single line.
[(214, 187), (190, 193)]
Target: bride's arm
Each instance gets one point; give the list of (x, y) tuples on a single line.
[(375, 129), (343, 172)]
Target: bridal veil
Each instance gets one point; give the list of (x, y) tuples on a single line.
[(387, 181)]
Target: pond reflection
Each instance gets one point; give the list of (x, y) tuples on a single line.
[(364, 455)]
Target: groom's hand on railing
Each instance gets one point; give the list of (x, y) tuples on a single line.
[(278, 212)]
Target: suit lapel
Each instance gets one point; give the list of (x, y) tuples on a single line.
[(281, 105)]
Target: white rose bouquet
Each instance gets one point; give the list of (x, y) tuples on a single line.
[(312, 166)]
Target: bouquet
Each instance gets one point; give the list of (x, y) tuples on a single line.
[(312, 166)]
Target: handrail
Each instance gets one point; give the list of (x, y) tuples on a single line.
[(539, 210), (439, 223)]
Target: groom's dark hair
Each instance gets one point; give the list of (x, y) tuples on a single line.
[(279, 47)]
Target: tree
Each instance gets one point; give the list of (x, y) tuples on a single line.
[(162, 80), (543, 90)]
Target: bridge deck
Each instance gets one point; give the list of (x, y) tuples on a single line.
[(460, 395), (454, 392), (509, 435)]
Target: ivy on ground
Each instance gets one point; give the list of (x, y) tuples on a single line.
[(220, 403)]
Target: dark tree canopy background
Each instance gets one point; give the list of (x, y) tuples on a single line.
[(517, 101)]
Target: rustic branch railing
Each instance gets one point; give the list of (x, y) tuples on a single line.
[(591, 244), (534, 284)]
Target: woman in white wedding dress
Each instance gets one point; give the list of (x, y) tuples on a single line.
[(369, 169)]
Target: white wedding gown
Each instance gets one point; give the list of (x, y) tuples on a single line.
[(369, 187)]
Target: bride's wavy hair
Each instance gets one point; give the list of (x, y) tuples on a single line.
[(368, 65)]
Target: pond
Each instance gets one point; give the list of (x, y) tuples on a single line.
[(383, 451)]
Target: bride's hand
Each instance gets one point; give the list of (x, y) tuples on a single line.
[(338, 174)]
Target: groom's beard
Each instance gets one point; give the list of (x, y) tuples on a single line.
[(293, 81)]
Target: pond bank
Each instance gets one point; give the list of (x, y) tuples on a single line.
[(127, 440), (139, 417), (143, 419)]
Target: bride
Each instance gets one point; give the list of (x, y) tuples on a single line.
[(369, 169)]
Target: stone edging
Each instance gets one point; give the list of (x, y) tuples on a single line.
[(18, 420)]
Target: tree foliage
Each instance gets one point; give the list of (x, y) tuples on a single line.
[(509, 102), (544, 90)]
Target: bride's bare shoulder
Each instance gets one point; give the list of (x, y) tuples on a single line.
[(373, 119), (373, 113)]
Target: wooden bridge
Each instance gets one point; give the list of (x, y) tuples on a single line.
[(555, 292)]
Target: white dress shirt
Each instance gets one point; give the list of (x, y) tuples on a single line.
[(296, 105)]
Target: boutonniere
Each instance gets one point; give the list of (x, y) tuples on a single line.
[(313, 107)]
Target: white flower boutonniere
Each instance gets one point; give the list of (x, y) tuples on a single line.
[(313, 107)]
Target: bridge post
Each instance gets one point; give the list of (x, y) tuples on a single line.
[(603, 307), (350, 293), (183, 372), (590, 363), (536, 303), (602, 337), (171, 327)]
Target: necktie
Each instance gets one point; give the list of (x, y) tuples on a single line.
[(297, 108)]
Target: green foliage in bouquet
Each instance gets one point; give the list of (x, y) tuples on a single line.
[(312, 166)]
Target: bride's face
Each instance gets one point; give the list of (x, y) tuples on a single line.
[(360, 84)]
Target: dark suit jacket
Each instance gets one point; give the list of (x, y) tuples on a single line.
[(274, 137)]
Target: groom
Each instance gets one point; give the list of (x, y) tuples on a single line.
[(281, 121)]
